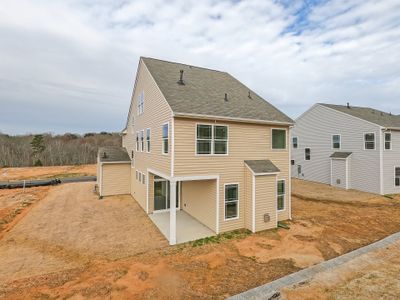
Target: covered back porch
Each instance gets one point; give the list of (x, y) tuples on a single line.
[(195, 199)]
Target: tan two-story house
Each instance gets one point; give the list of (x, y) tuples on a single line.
[(201, 141)]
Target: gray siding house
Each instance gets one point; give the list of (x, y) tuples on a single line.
[(348, 147)]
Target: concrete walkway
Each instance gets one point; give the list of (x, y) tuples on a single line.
[(187, 228), (272, 290)]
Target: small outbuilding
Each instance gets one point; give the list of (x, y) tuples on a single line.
[(113, 171)]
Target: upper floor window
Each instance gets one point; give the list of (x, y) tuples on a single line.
[(388, 141), (397, 176), (140, 103), (165, 147), (142, 140), (148, 139), (369, 141), (231, 201), (281, 195), (336, 141), (307, 154), (278, 138), (211, 139), (295, 141), (137, 141)]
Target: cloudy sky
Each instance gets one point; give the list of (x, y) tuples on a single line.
[(69, 66)]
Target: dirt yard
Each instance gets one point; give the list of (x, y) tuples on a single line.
[(370, 276), (9, 174), (70, 256)]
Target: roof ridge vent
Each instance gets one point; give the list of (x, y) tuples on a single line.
[(226, 97), (180, 81)]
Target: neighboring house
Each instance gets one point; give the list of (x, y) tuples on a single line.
[(348, 147), (201, 141)]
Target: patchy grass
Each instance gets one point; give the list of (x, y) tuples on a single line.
[(216, 239)]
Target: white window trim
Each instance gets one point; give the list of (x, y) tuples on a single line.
[(305, 154), (395, 167), (143, 178), (294, 137), (340, 141), (284, 195), (286, 139), (364, 141), (141, 140), (137, 141), (238, 201), (140, 103), (212, 139), (162, 139), (148, 141), (384, 140)]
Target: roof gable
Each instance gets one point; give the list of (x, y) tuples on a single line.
[(203, 93)]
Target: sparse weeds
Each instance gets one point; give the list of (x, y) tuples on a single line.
[(216, 239)]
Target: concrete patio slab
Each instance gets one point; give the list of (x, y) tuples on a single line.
[(187, 228)]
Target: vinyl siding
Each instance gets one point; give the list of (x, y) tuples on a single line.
[(156, 113), (314, 130), (391, 159), (115, 179), (248, 199), (246, 142), (339, 173), (265, 192), (198, 200)]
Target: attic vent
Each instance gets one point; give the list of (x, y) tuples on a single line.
[(104, 154), (226, 97), (180, 81)]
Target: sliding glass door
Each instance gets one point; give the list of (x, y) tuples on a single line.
[(162, 194)]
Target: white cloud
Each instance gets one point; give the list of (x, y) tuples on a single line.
[(75, 61)]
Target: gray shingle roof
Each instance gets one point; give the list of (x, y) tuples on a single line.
[(368, 114), (203, 93), (262, 166), (112, 154), (340, 154)]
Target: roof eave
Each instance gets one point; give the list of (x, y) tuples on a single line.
[(223, 118)]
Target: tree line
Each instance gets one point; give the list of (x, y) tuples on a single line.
[(53, 150)]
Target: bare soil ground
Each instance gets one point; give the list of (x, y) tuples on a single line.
[(9, 174), (82, 257), (370, 276)]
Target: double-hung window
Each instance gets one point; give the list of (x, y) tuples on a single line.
[(281, 195), (397, 176), (279, 139), (220, 139), (140, 103), (307, 154), (211, 139), (165, 147), (336, 141), (295, 141), (231, 201), (369, 141), (142, 140), (137, 141), (148, 133), (388, 141)]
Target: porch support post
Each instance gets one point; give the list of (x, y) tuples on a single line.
[(172, 212)]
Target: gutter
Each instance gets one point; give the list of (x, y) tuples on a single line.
[(222, 118)]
